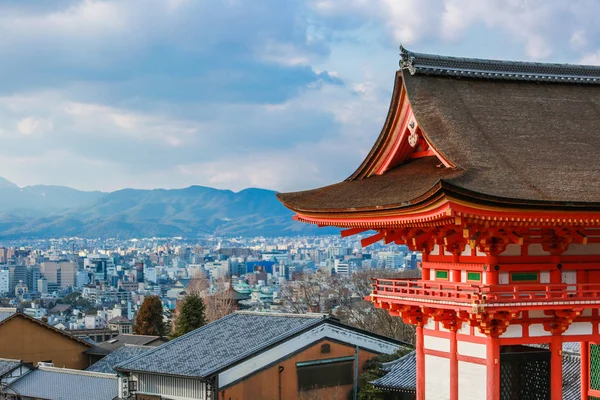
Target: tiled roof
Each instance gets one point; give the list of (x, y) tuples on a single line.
[(7, 365), (118, 356), (206, 350), (6, 313), (402, 375), (124, 339), (431, 64), (66, 384)]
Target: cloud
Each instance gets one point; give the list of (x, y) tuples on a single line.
[(106, 94)]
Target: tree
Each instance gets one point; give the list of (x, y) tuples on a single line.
[(149, 320), (218, 297), (190, 315)]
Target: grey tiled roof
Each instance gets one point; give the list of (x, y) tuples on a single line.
[(7, 365), (124, 339), (402, 375), (118, 356), (220, 343), (66, 384), (6, 314), (432, 64)]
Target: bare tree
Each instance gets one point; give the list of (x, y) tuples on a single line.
[(218, 297)]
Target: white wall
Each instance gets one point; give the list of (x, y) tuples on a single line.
[(437, 378), (471, 381)]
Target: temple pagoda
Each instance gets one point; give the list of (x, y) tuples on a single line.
[(491, 169)]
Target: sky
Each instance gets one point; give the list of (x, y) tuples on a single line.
[(279, 94)]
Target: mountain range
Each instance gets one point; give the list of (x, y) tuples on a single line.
[(43, 211)]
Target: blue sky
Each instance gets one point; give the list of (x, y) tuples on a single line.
[(280, 94)]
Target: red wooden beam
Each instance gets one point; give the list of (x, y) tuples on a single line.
[(372, 239), (353, 231)]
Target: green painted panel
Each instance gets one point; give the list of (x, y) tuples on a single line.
[(524, 276), (595, 366), (474, 276), (441, 274)]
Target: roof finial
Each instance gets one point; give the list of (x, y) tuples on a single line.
[(407, 60)]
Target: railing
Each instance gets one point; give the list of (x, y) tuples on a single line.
[(469, 294)]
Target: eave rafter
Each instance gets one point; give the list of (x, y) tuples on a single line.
[(445, 224)]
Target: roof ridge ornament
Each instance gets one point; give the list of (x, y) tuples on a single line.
[(406, 60), (431, 64)]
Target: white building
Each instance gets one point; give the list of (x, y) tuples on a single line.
[(4, 281)]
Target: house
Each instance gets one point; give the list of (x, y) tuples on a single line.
[(251, 356), (101, 350), (31, 340), (118, 356), (50, 383), (121, 325)]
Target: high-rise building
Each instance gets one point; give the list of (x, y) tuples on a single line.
[(4, 281), (61, 273), (17, 273), (42, 285), (33, 274)]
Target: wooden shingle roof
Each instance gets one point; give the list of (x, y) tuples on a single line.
[(510, 134)]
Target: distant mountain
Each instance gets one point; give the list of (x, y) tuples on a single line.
[(56, 211)]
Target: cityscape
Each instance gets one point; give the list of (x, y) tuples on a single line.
[(299, 200)]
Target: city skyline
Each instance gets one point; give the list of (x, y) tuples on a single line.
[(106, 95)]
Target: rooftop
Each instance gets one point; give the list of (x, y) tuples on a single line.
[(48, 383), (118, 356), (215, 346), (7, 365), (484, 131)]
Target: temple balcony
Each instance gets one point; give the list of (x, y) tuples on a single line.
[(392, 294)]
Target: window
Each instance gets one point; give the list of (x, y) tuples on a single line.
[(441, 274), (325, 373), (325, 348), (473, 276), (525, 277)]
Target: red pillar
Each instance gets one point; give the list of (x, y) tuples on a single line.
[(420, 364), (585, 370), (493, 368), (556, 367), (453, 366)]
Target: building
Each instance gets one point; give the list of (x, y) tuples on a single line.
[(489, 169), (60, 274), (4, 282), (121, 325), (48, 382), (33, 274), (28, 339), (248, 356), (18, 273)]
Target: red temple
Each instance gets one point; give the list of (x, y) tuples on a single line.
[(491, 169)]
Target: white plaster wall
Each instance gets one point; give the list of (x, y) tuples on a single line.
[(430, 325), (545, 277), (512, 250), (582, 249), (465, 329), (463, 276), (587, 312), (466, 251), (437, 378), (471, 349), (503, 278), (513, 331), (579, 328), (471, 381), (538, 330), (436, 343), (536, 249), (479, 253)]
